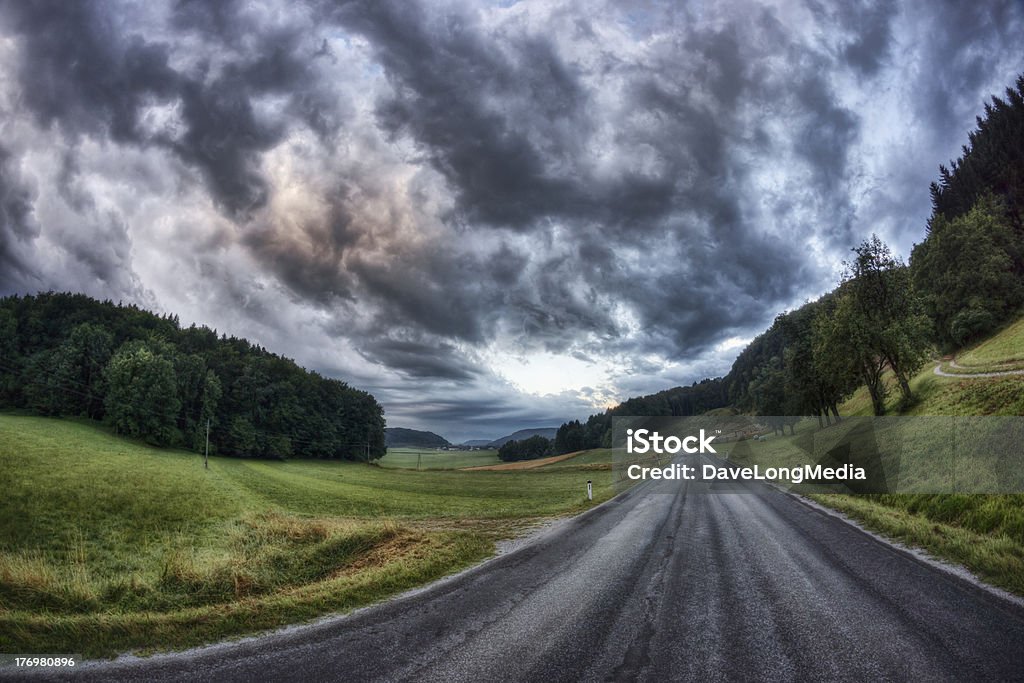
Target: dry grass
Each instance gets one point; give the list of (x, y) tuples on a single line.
[(523, 464)]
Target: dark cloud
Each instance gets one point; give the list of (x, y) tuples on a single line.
[(412, 189), (429, 291), (17, 227), (962, 42), (863, 31), (84, 69), (310, 257), (220, 19), (421, 360), (80, 70), (449, 87), (514, 165)]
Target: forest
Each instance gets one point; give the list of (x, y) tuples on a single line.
[(963, 281), (150, 379)]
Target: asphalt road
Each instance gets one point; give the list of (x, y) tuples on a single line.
[(687, 584)]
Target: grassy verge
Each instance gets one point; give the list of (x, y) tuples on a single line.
[(983, 533), (108, 545), (408, 559)]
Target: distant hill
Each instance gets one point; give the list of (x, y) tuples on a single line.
[(546, 432), (398, 437), (477, 443)]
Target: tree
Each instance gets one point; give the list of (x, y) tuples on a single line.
[(991, 162), (142, 399), (42, 383), (243, 436), (844, 354), (965, 272), (9, 358), (82, 359), (971, 263), (571, 437), (892, 323), (528, 449), (809, 390)]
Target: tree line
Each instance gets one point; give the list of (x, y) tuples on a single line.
[(885, 318), (530, 448), (149, 378)]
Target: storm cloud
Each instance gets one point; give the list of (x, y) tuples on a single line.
[(491, 215)]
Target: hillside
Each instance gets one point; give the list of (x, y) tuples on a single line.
[(546, 432), (1002, 352), (959, 392), (149, 378), (400, 437)]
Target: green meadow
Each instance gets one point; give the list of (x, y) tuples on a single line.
[(429, 459), (107, 545)]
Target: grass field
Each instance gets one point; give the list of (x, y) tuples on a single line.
[(428, 459), (107, 545), (596, 459), (529, 464)]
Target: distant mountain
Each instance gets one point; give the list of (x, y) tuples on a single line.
[(398, 437), (477, 443), (546, 432)]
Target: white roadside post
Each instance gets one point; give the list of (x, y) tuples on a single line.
[(590, 490)]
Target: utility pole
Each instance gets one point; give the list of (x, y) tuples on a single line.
[(206, 458)]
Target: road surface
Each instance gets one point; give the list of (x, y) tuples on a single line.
[(687, 584)]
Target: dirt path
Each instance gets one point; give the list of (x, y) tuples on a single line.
[(969, 375)]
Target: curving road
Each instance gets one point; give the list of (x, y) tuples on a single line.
[(684, 584)]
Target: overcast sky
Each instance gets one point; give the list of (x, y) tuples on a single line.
[(490, 215)]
